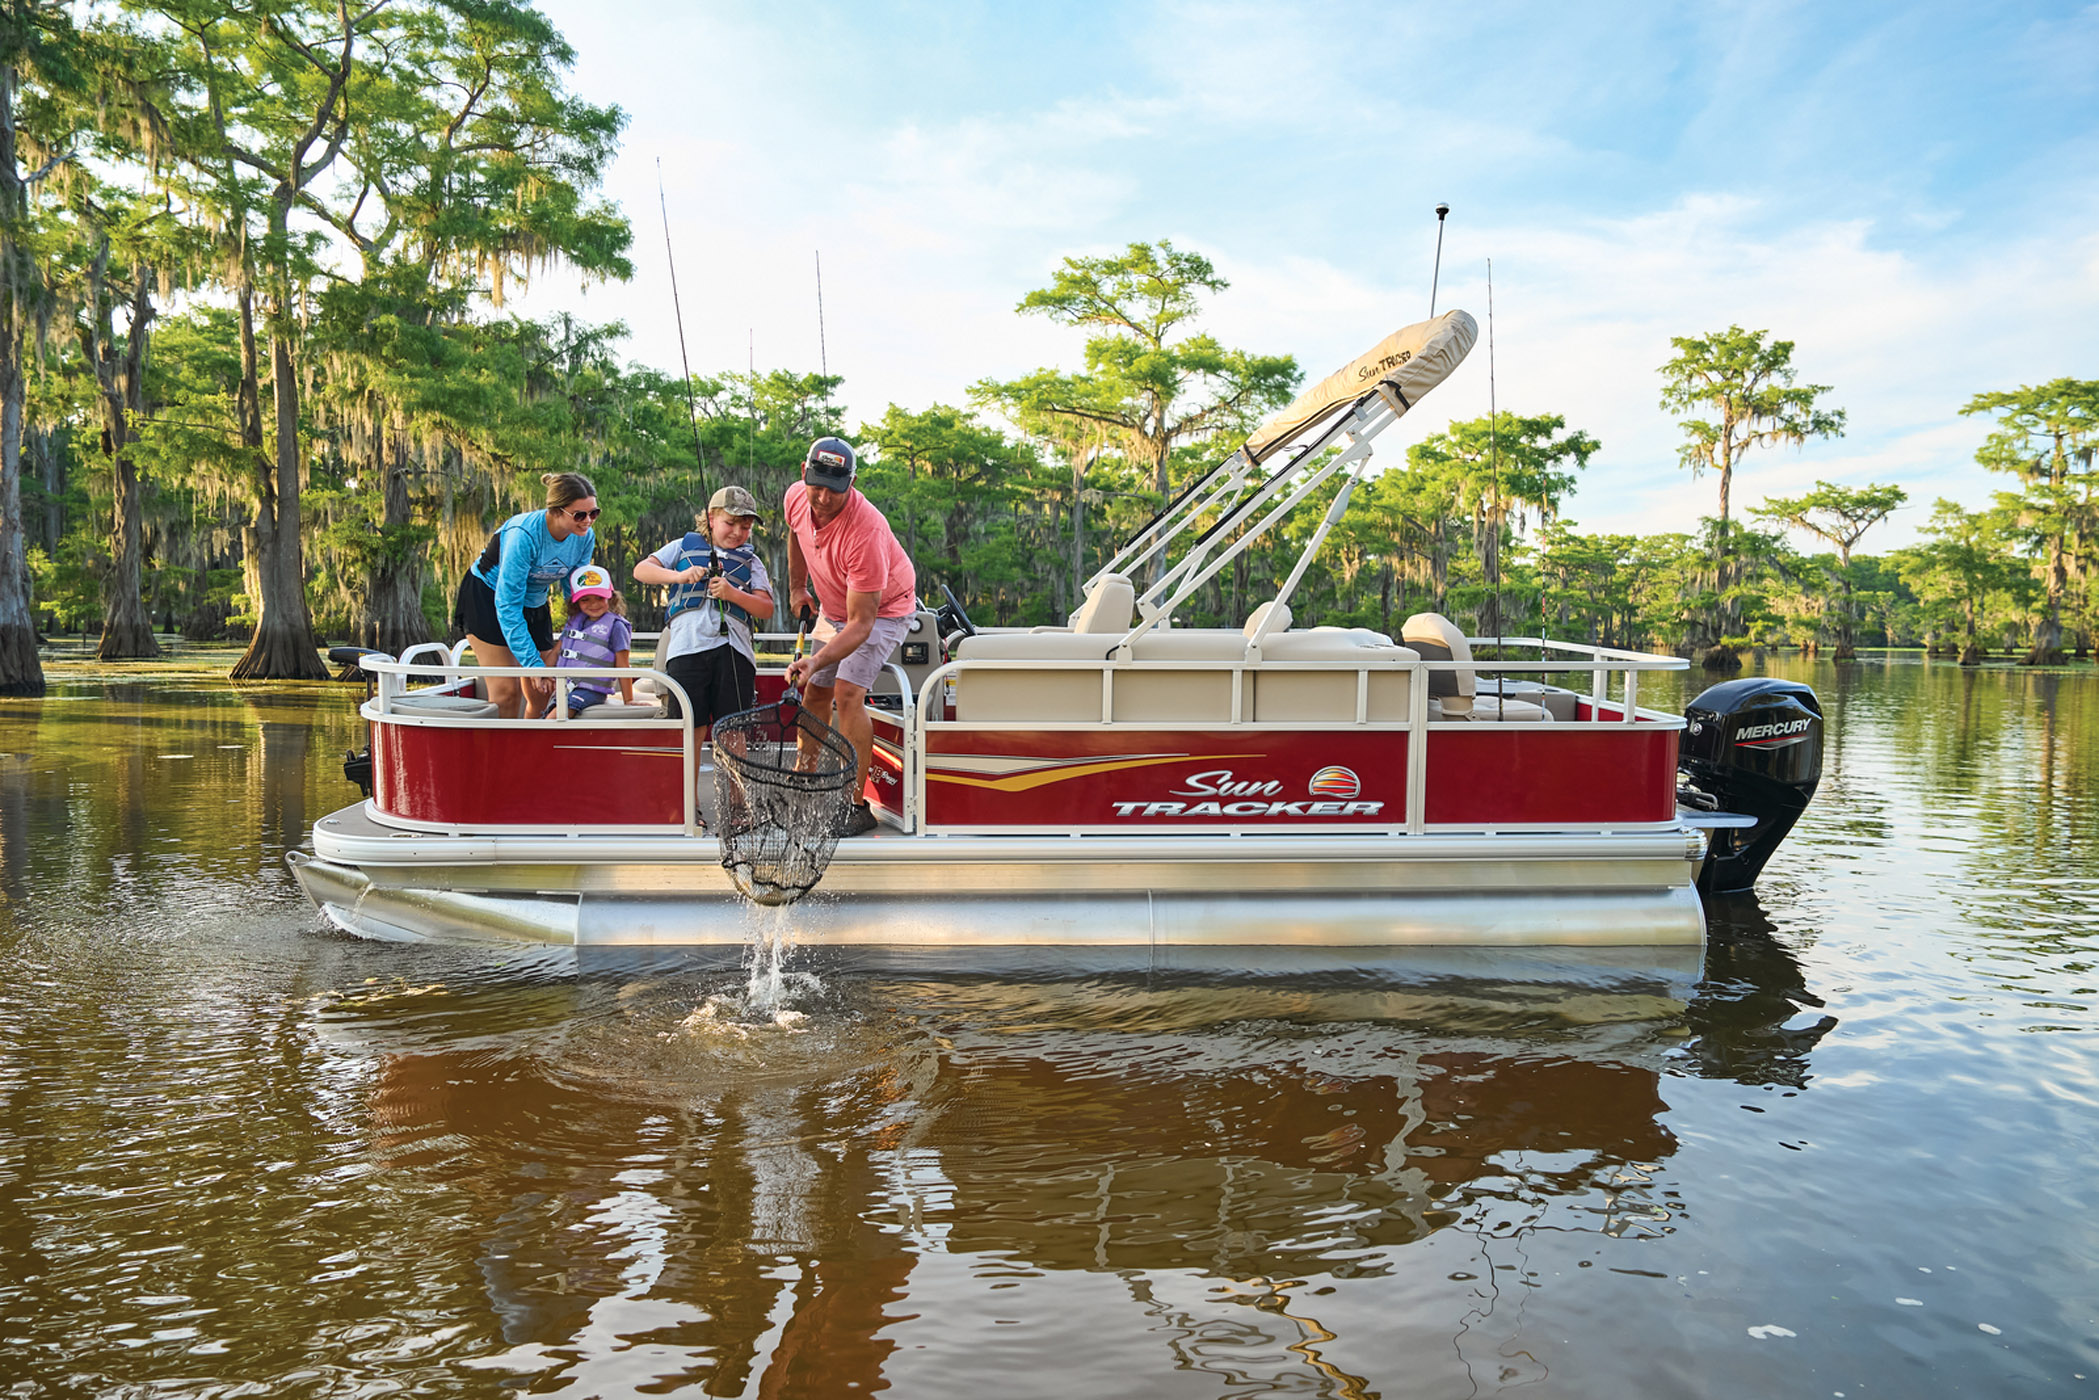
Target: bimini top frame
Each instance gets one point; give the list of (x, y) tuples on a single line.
[(1355, 403)]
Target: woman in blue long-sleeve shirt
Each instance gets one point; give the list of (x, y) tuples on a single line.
[(502, 604)]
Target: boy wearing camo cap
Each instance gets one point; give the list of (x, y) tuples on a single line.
[(718, 590)]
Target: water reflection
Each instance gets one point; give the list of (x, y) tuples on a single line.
[(784, 1199), (1754, 1020)]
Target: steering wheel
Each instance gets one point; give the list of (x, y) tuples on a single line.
[(953, 622)]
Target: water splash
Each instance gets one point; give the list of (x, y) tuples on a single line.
[(765, 1001), (772, 937)]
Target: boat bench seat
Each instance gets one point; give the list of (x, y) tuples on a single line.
[(613, 709), (1179, 688), (424, 703), (1491, 709), (1558, 702)]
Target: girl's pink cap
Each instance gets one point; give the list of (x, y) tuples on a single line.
[(590, 581)]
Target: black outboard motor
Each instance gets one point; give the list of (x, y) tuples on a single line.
[(1752, 747)]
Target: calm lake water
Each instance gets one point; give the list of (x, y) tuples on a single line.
[(1852, 1154)]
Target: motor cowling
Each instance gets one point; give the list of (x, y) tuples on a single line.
[(1751, 747)]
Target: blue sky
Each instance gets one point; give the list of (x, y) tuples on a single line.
[(1908, 192)]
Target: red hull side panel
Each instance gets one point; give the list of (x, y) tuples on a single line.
[(562, 776), (1166, 778), (1483, 775)]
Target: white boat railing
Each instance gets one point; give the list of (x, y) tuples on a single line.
[(452, 673), (1599, 664), (917, 720)]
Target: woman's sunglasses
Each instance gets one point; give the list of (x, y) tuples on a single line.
[(584, 516)]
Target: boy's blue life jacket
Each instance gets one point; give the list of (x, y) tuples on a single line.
[(736, 568)]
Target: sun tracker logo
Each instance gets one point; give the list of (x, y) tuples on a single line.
[(1260, 797), (1337, 782)]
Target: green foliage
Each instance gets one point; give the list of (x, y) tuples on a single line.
[(968, 504), (1840, 515), (1964, 574), (2046, 437), (1142, 392), (1746, 382)]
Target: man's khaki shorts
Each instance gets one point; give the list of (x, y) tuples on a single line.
[(866, 662)]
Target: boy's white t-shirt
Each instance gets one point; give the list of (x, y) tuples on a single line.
[(700, 629)]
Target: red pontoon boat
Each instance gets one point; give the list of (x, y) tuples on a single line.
[(1121, 780)]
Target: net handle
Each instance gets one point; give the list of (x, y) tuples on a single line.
[(791, 695)]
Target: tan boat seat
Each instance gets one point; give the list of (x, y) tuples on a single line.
[(1174, 694), (614, 710), (1437, 638), (1110, 607), (1562, 704), (1491, 709), (449, 706), (1329, 697), (1019, 694)]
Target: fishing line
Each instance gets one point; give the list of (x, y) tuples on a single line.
[(692, 406)]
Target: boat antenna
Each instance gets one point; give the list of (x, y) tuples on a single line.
[(1442, 213), (1494, 470), (750, 435), (823, 354), (692, 405)]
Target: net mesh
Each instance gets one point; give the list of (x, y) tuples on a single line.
[(780, 781)]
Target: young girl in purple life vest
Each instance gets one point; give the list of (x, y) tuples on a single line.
[(597, 634)]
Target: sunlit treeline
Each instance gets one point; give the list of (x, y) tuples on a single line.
[(272, 390)]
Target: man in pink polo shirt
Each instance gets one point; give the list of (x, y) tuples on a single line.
[(842, 548)]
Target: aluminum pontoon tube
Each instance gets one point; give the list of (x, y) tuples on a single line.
[(1663, 915)]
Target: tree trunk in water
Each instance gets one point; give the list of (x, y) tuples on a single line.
[(283, 646), (20, 671), (1721, 658), (1845, 634), (2048, 636), (391, 618), (2047, 649), (127, 633)]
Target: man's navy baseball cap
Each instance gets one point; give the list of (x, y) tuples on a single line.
[(830, 464)]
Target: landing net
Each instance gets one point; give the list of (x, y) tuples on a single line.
[(780, 780)]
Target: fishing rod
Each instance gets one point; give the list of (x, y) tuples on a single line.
[(823, 353), (1494, 469), (692, 405), (1442, 213)]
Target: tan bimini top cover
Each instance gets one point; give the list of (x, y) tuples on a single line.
[(1412, 361)]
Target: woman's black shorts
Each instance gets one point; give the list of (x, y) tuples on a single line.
[(475, 612)]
